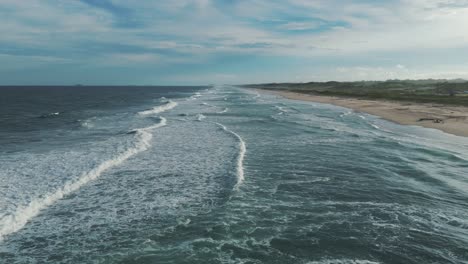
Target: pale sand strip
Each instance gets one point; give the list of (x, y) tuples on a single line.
[(454, 119)]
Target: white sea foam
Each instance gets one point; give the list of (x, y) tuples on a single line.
[(86, 123), (159, 109), (194, 97), (343, 261), (240, 157), (16, 221), (50, 114), (200, 117), (346, 113), (281, 109), (223, 111)]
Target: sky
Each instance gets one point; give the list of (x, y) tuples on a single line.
[(191, 42)]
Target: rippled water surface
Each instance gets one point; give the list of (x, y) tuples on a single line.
[(221, 175)]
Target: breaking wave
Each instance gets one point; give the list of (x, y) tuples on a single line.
[(200, 117), (343, 261), (49, 115), (16, 221), (159, 109), (241, 155)]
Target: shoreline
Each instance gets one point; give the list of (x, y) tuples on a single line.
[(449, 119)]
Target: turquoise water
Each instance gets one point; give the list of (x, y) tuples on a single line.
[(223, 175)]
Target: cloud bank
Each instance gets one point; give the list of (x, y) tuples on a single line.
[(208, 41)]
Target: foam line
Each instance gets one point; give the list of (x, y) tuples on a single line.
[(159, 109), (281, 110), (194, 97), (16, 221), (346, 113), (343, 261), (200, 117), (257, 95), (50, 115), (240, 157), (223, 111)]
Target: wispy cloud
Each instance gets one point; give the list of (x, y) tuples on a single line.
[(299, 26), (170, 35)]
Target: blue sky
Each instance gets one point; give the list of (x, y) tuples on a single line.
[(230, 41)]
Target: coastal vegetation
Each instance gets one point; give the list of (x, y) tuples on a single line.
[(451, 92)]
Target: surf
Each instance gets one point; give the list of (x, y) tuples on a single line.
[(16, 221), (53, 114), (223, 111), (240, 156), (200, 117), (195, 96), (159, 109)]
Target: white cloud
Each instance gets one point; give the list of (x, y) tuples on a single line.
[(299, 26), (371, 27), (358, 73), (191, 31), (401, 67), (383, 27), (130, 58), (17, 62)]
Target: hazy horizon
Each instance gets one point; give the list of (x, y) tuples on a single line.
[(194, 42), (233, 84)]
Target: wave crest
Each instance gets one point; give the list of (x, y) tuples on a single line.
[(240, 157), (159, 109), (16, 221)]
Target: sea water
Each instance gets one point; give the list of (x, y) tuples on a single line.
[(221, 175)]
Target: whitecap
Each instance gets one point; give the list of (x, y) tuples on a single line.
[(200, 117), (343, 261), (86, 123), (50, 115), (17, 220), (345, 113), (159, 109), (223, 111), (241, 155), (194, 97)]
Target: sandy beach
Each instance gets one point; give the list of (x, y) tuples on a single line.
[(450, 119)]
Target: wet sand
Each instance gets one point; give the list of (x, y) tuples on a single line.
[(450, 119)]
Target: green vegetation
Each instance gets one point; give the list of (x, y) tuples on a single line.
[(454, 92)]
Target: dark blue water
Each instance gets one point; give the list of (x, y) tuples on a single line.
[(221, 175)]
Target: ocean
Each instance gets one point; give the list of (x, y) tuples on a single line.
[(221, 175)]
